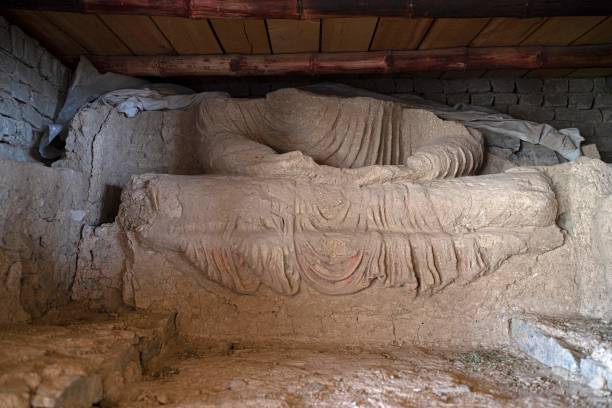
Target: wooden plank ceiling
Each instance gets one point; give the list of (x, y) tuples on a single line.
[(71, 34)]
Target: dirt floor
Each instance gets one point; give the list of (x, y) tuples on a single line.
[(137, 360), (279, 376)]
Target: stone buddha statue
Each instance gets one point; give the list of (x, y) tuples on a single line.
[(339, 194)]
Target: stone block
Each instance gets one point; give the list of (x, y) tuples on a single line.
[(33, 117), (32, 52), (555, 99), (528, 85), (505, 99), (601, 85), (606, 114), (482, 99), (404, 85), (18, 39), (479, 85), (503, 85), (603, 100), (560, 124), (16, 133), (428, 86), (14, 153), (47, 106), (581, 100), (14, 88), (28, 76), (436, 97), (8, 64), (604, 130), (46, 65), (533, 113), (580, 85), (580, 116), (531, 99), (556, 85), (586, 129), (7, 127), (9, 107), (457, 98), (455, 86), (5, 39)]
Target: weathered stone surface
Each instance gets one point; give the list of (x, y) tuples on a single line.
[(39, 231), (576, 115), (532, 113), (528, 85), (546, 349), (479, 85), (505, 99), (603, 100), (459, 98), (455, 86), (72, 363), (579, 85), (581, 347), (556, 85), (555, 99), (581, 101), (583, 190), (503, 85), (531, 99), (101, 263), (484, 99)]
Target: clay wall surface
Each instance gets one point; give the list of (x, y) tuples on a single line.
[(474, 314), (568, 280), (41, 214), (32, 88), (109, 148)]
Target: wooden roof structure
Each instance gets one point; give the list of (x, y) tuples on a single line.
[(271, 37)]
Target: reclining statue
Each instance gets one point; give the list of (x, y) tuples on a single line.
[(338, 193)]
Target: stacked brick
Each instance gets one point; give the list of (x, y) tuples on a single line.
[(583, 103), (32, 87)]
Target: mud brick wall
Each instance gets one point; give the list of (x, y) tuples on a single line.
[(32, 87), (584, 103)]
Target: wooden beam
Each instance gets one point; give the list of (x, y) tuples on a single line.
[(324, 8), (453, 59)]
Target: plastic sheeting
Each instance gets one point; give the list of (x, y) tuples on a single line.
[(132, 95)]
